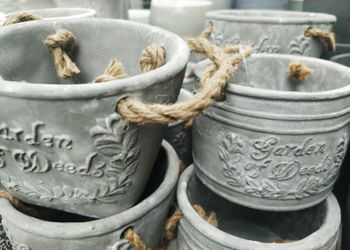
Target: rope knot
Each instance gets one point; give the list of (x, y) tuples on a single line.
[(114, 71), (152, 57), (61, 45), (327, 37), (298, 71)]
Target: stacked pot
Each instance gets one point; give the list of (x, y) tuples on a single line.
[(266, 157), (66, 148)]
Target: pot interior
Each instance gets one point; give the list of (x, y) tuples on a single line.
[(24, 56), (53, 215), (271, 72), (256, 225)]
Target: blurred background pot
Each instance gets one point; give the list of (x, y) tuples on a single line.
[(262, 4), (343, 59), (241, 228), (70, 232), (179, 136), (104, 8), (263, 28), (21, 5), (60, 13), (274, 143), (63, 145)]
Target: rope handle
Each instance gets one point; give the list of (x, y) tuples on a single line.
[(298, 71), (326, 36), (20, 17)]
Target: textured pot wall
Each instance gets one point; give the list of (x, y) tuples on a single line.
[(20, 5), (262, 30), (147, 218), (275, 144), (68, 134), (241, 228)]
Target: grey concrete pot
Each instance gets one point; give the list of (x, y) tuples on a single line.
[(105, 8), (275, 144), (61, 13), (262, 4), (342, 48), (269, 31), (342, 59), (179, 137), (147, 218), (63, 145), (240, 228)]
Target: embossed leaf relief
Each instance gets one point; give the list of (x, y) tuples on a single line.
[(116, 157), (266, 168), (179, 141), (300, 46), (260, 46)]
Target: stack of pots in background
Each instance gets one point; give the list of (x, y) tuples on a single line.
[(267, 156), (68, 149)]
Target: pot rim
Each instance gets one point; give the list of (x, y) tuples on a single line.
[(271, 17), (44, 91), (287, 95), (340, 56), (73, 230), (319, 237), (81, 13)]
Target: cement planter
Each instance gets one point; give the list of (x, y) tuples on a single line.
[(179, 136), (275, 144), (240, 228), (60, 13), (269, 31), (147, 218), (63, 145), (262, 4), (105, 8)]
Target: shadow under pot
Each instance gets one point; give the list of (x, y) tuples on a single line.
[(72, 232), (104, 8), (269, 31), (62, 143), (275, 143), (59, 13), (179, 136), (241, 228)]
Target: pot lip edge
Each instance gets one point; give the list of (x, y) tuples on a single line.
[(304, 18), (102, 226), (320, 236), (286, 95), (167, 72)]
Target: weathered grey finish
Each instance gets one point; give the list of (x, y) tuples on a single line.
[(147, 218), (273, 143), (339, 8), (179, 136), (342, 59), (62, 143), (60, 13), (262, 4), (241, 228), (105, 8), (269, 31)]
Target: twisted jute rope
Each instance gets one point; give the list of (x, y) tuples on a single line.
[(223, 69), (114, 71), (170, 226), (20, 17), (326, 36), (298, 71), (61, 45)]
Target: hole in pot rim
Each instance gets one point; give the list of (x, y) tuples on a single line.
[(91, 55), (268, 77)]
